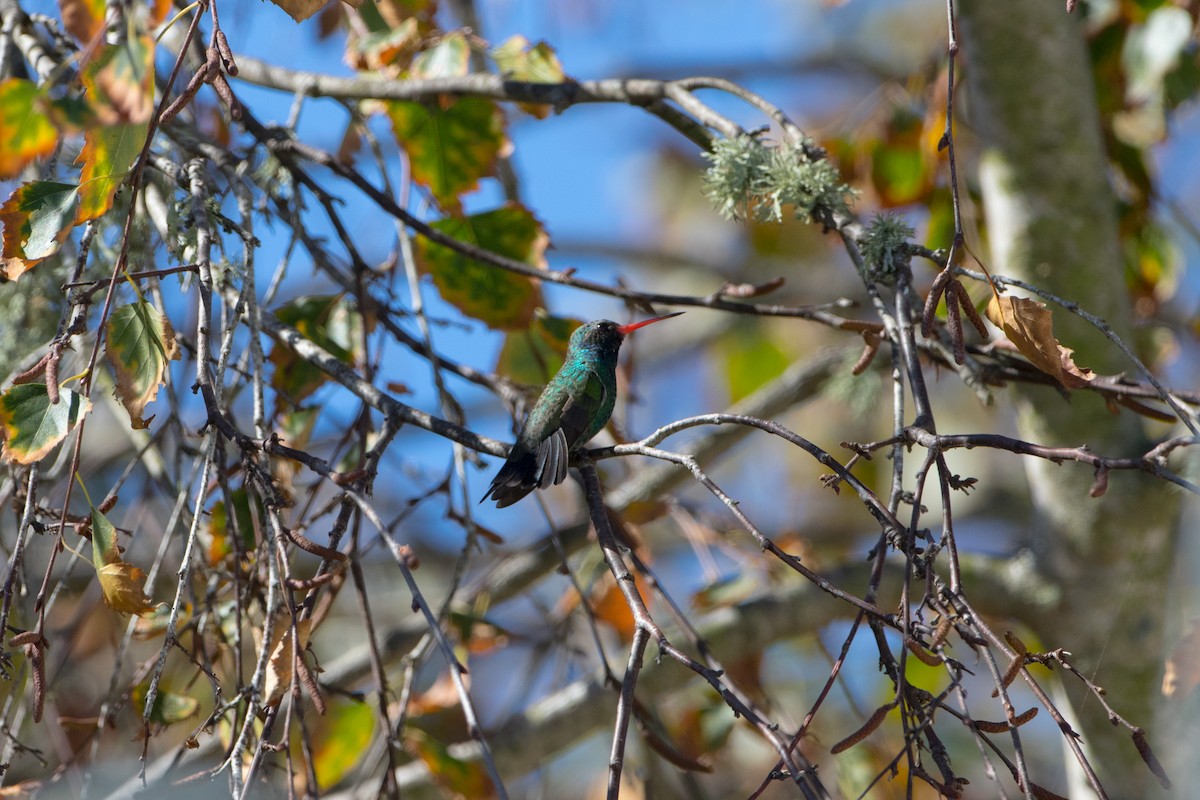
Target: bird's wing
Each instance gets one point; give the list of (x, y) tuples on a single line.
[(577, 418)]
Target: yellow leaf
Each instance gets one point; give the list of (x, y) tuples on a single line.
[(342, 742), (1030, 327), (25, 129), (107, 155), (31, 426), (123, 586)]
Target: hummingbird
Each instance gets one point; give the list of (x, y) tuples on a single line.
[(573, 407)]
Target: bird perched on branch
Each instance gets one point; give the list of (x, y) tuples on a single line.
[(573, 407)]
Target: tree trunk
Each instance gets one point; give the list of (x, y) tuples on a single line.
[(1051, 219)]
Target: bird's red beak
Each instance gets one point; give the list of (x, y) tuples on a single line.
[(633, 326)]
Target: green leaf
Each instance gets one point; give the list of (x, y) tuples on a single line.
[(37, 219), (343, 741), (33, 425), (537, 64), (752, 359), (452, 145), (108, 154), (898, 173), (500, 298), (448, 58), (104, 541), (533, 356), (25, 129), (327, 320), (169, 707), (140, 343)]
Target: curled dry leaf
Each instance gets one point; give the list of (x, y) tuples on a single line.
[(1030, 327), (279, 668)]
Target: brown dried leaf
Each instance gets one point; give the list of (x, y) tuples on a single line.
[(300, 10), (1029, 325), (280, 665)]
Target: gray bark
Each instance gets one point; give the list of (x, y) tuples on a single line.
[(1051, 219)]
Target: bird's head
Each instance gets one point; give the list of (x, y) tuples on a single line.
[(604, 337)]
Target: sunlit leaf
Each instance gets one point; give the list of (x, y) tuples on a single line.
[(327, 320), (120, 82), (107, 156), (140, 344), (1030, 327), (533, 355), (343, 741), (83, 19), (448, 58), (25, 129), (520, 61), (37, 217), (451, 146), (124, 588), (33, 425), (500, 298), (463, 778)]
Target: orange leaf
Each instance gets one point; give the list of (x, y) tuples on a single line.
[(441, 695), (609, 605), (83, 19), (1029, 325)]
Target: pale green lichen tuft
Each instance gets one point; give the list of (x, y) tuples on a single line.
[(883, 247), (748, 180)]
